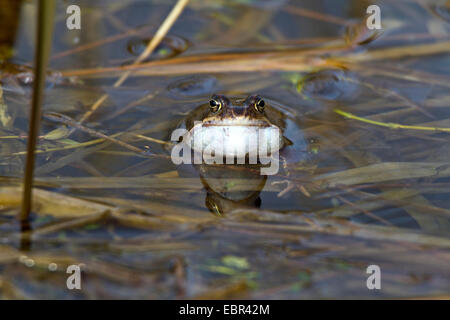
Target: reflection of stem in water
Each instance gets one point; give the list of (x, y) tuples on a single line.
[(43, 46), (25, 229)]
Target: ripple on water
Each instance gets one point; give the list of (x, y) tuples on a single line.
[(327, 85), (169, 47), (442, 11), (193, 86)]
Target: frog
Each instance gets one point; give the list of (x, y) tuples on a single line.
[(233, 119), (224, 122)]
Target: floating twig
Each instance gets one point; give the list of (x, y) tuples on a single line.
[(57, 117)]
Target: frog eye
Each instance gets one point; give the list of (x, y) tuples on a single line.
[(259, 105), (215, 105)]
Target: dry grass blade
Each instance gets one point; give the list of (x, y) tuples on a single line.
[(70, 224), (156, 40), (315, 15), (239, 288), (242, 220), (280, 60), (146, 247), (70, 122), (8, 254), (217, 63), (52, 203), (141, 221), (386, 171), (5, 118)]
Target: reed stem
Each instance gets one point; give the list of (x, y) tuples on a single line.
[(42, 51)]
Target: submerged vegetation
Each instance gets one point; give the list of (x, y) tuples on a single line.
[(372, 186)]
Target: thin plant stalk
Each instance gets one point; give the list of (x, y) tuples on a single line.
[(46, 10)]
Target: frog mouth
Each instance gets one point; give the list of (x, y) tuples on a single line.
[(236, 123), (260, 125), (232, 136)]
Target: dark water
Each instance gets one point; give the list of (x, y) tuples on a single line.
[(142, 227)]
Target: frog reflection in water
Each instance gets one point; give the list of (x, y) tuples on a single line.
[(239, 184)]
